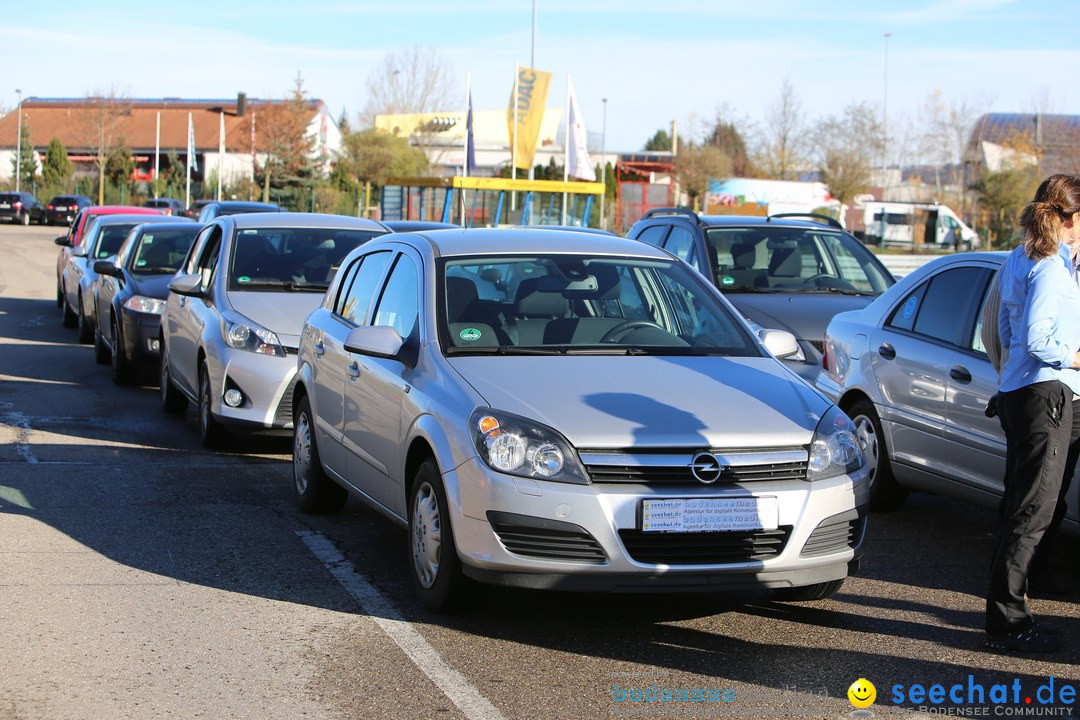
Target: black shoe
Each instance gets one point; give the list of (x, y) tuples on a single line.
[(1044, 581), (1030, 640)]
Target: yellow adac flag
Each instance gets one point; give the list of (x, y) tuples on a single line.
[(526, 112)]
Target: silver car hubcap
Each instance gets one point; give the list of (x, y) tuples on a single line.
[(868, 441), (426, 535), (301, 453)]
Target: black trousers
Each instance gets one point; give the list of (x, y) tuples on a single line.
[(1041, 563), (1039, 422)]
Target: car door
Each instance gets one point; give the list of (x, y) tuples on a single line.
[(681, 243), (978, 442), (187, 315), (328, 366), (911, 355), (377, 391)]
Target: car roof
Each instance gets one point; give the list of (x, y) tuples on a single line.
[(122, 218), (300, 220), (168, 223), (531, 240), (122, 210), (757, 220), (242, 204)]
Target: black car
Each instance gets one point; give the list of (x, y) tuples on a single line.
[(22, 208), (61, 210), (790, 271), (168, 206), (234, 207), (196, 207), (130, 293)]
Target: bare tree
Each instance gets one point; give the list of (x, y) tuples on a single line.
[(696, 165), (944, 139), (101, 116), (847, 145), (415, 80), (781, 140)]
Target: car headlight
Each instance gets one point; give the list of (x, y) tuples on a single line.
[(834, 449), (143, 304), (518, 446), (249, 336)]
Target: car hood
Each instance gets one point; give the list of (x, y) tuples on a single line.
[(281, 312), (803, 315), (635, 401), (153, 286)]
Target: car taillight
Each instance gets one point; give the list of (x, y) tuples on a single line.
[(73, 208), (17, 205), (48, 207), (825, 358)]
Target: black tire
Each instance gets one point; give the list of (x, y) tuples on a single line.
[(70, 318), (885, 493), (59, 296), (212, 434), (433, 559), (121, 366), (809, 593), (173, 402), (101, 351), (315, 491), (25, 219), (86, 332)]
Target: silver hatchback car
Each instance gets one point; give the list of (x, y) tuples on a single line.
[(232, 321), (572, 411)]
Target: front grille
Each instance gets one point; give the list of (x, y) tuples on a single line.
[(283, 417), (835, 534), (675, 468), (545, 539), (704, 548)]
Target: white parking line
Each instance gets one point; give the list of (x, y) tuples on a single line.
[(453, 684)]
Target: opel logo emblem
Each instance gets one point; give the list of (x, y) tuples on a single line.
[(706, 468)]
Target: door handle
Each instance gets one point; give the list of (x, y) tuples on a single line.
[(887, 351), (318, 348), (960, 374), (353, 370)]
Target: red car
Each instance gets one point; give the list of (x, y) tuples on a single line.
[(74, 236)]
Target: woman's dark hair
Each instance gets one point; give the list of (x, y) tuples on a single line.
[(1056, 201)]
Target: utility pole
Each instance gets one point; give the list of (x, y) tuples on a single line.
[(18, 145), (603, 165)]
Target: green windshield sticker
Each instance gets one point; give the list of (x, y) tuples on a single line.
[(469, 334), (248, 232), (140, 263), (243, 278), (727, 280)]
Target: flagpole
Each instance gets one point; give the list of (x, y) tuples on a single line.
[(566, 150), (190, 148), (221, 155), (465, 155), (157, 154), (513, 136)]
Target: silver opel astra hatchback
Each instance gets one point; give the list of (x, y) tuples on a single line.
[(232, 320), (571, 411)]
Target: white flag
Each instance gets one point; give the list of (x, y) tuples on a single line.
[(193, 163), (578, 164)]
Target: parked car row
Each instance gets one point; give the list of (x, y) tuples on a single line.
[(542, 408)]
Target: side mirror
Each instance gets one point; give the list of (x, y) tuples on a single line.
[(377, 341), (63, 241), (79, 251), (780, 343), (106, 267), (187, 285)]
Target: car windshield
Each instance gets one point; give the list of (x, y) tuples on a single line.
[(162, 252), (291, 258), (569, 304), (105, 240), (779, 259)]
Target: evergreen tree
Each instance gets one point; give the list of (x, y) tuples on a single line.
[(57, 168), (659, 142)]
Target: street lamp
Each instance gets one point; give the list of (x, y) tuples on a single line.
[(603, 166), (885, 119), (18, 144)]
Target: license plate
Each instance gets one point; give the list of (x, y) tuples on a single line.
[(675, 515), (4, 206)]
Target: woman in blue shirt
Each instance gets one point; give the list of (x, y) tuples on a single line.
[(1039, 323)]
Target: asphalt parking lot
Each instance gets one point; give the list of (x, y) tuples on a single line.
[(143, 576)]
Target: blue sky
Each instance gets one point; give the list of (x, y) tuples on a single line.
[(655, 61)]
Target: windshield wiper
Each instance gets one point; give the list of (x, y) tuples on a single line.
[(504, 350), (306, 286), (156, 271), (841, 291)]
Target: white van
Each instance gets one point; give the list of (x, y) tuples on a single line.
[(902, 224)]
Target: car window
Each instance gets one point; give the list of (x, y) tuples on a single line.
[(654, 234), (680, 243), (938, 309), (161, 252), (284, 258), (110, 238), (398, 306), (597, 305), (208, 257), (792, 259), (356, 300)]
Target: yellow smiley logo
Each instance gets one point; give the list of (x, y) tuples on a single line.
[(862, 693)]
